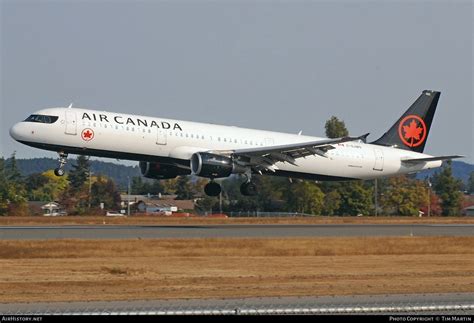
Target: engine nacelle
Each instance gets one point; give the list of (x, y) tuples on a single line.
[(214, 166), (161, 171)]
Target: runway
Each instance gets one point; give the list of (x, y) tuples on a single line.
[(434, 304), (229, 231)]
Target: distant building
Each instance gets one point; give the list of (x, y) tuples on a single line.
[(469, 211), (164, 204), (53, 209)]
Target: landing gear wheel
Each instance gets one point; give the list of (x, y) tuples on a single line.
[(248, 189), (59, 172), (212, 189), (62, 161)]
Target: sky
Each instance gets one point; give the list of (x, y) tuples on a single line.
[(276, 65)]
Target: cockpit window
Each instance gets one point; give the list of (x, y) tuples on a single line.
[(41, 118)]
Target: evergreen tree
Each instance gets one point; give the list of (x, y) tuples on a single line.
[(184, 188), (448, 189), (76, 197), (3, 188), (470, 183), (12, 189), (79, 173), (104, 191), (12, 170), (144, 187), (335, 128)]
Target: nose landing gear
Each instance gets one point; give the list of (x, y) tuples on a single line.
[(62, 161)]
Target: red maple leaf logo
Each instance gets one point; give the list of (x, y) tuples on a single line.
[(414, 130), (87, 134)]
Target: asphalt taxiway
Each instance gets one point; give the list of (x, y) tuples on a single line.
[(229, 231), (450, 303)]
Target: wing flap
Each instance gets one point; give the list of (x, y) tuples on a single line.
[(297, 149)]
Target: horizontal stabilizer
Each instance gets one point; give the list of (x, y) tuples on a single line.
[(422, 160)]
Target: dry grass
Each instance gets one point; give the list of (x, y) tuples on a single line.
[(235, 247), (60, 270), (156, 220)]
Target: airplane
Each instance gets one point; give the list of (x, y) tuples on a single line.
[(168, 148)]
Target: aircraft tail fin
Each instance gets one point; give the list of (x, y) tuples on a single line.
[(410, 132)]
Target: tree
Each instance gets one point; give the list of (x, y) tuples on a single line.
[(12, 189), (140, 186), (184, 188), (104, 191), (404, 196), (355, 199), (305, 197), (448, 189), (169, 185), (76, 197), (470, 183), (12, 171), (3, 188), (335, 128), (79, 174), (46, 186), (332, 203)]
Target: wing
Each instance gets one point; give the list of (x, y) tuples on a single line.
[(265, 157)]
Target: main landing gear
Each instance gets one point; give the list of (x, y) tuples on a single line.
[(212, 189), (248, 188), (62, 161)]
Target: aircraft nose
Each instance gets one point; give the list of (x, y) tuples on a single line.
[(16, 132)]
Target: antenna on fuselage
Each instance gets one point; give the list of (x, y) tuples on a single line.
[(70, 106)]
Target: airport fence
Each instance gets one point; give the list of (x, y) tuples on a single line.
[(260, 214)]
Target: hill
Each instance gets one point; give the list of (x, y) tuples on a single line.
[(117, 172), (120, 172), (461, 170)]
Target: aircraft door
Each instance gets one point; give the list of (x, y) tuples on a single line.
[(378, 165), (161, 138), (71, 122)]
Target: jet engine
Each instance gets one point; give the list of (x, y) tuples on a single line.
[(161, 171), (214, 166)]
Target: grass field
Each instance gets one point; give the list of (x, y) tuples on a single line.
[(72, 270)]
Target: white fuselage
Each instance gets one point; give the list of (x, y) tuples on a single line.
[(122, 136)]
